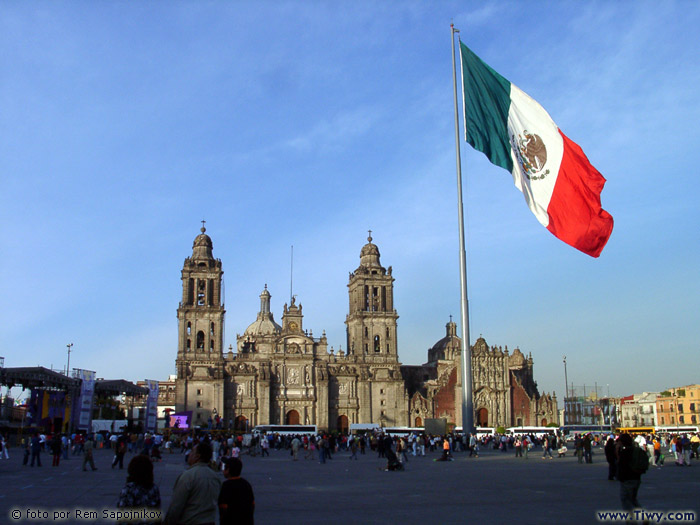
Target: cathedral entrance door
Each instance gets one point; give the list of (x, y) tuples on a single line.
[(343, 424), (241, 423), (292, 418), (482, 418), (419, 422)]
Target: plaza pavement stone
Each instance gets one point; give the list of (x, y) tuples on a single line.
[(496, 488)]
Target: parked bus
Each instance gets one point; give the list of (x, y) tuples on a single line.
[(634, 431), (584, 429), (480, 431), (678, 429), (403, 431), (537, 431), (364, 428), (286, 430)]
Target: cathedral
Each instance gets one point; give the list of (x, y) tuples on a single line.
[(282, 374)]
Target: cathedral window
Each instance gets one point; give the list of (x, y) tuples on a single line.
[(366, 332), (377, 344), (189, 328), (190, 291), (201, 288), (211, 292), (211, 345), (387, 348), (189, 344), (366, 308), (200, 340), (211, 329), (199, 391), (366, 348), (199, 404), (383, 298), (387, 333)]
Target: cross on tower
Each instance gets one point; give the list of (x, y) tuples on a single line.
[(369, 238), (203, 228)]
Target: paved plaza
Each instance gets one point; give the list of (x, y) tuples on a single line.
[(494, 488)]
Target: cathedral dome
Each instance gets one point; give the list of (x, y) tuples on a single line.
[(263, 326), (369, 255), (265, 323), (448, 347), (202, 246)]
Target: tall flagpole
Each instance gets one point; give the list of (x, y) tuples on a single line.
[(467, 393)]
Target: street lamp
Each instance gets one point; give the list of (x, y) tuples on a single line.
[(566, 389), (69, 346)]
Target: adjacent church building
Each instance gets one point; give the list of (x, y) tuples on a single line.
[(281, 374)]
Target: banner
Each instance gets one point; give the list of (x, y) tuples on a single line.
[(151, 423), (87, 394)]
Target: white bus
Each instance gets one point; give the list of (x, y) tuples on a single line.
[(530, 431), (286, 430), (480, 431), (677, 429), (403, 431), (365, 427)]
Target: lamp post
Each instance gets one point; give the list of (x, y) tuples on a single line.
[(566, 389), (69, 346)]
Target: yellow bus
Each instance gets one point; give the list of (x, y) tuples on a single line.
[(636, 430)]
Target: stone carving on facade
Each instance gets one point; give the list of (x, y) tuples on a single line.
[(293, 376)]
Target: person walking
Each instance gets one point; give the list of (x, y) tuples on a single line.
[(3, 447), (353, 448), (546, 447), (610, 458), (296, 445), (56, 451), (89, 445), (119, 452), (630, 478), (26, 448), (36, 450), (518, 447), (587, 453)]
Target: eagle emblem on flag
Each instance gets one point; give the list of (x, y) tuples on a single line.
[(532, 155)]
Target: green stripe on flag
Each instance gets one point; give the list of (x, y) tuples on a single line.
[(486, 104)]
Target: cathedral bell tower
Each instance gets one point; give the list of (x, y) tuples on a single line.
[(371, 321), (200, 317)]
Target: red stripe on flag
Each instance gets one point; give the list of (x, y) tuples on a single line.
[(575, 213)]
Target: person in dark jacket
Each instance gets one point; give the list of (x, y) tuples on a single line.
[(610, 457), (629, 480), (56, 449), (36, 450), (236, 499)]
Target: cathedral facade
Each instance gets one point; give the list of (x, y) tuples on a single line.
[(282, 374)]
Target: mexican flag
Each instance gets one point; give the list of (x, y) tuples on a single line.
[(560, 185)]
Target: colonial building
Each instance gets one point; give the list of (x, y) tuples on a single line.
[(282, 374)]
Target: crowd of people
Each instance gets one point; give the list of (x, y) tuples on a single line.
[(213, 455)]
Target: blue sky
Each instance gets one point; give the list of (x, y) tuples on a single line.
[(123, 124)]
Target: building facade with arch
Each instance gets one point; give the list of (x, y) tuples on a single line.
[(281, 374)]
